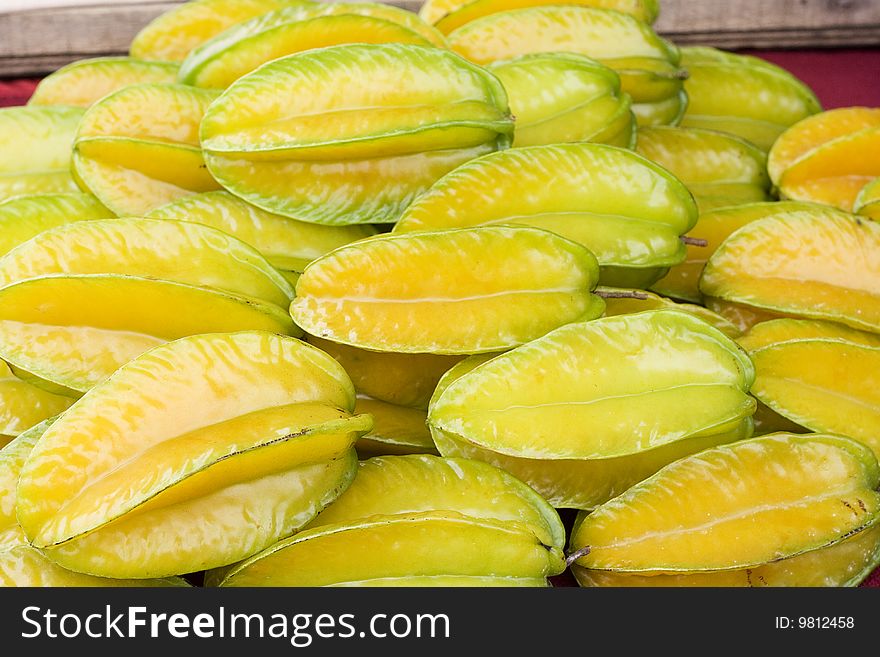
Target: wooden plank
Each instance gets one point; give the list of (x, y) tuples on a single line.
[(757, 15), (38, 40), (771, 23), (863, 36)]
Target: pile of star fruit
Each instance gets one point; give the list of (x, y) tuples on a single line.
[(306, 294)]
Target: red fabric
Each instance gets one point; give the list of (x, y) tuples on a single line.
[(16, 92), (840, 78)]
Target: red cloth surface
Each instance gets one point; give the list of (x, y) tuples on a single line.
[(16, 91), (840, 78)]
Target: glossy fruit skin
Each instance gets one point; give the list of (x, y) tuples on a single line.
[(778, 494), (397, 547), (824, 265), (834, 173), (230, 129), (743, 316), (364, 166), (272, 439), (288, 244), (714, 226), (769, 421), (846, 563), (242, 48), (24, 217), (647, 64), (505, 285), (548, 432), (801, 138), (84, 82), (704, 359), (397, 430), (650, 301), (138, 148), (564, 97), (867, 203), (780, 331), (448, 15), (23, 405), (401, 379), (127, 246), (20, 563), (828, 157), (35, 150), (54, 340), (173, 34), (631, 219), (421, 483), (719, 169), (419, 520), (51, 339), (819, 375), (743, 95), (586, 483)]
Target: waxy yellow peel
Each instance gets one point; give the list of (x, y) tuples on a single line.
[(396, 378), (24, 405), (817, 264), (715, 226), (35, 150), (419, 519), (828, 157), (511, 404), (846, 563), (49, 337), (631, 219), (820, 375), (20, 563), (647, 63), (565, 97), (448, 15), (53, 339), (433, 547), (243, 48), (173, 34), (396, 429), (138, 148), (84, 82), (743, 95), (346, 141), (288, 244), (24, 217), (718, 168), (737, 506), (564, 433), (867, 203), (504, 285), (270, 444), (127, 246)]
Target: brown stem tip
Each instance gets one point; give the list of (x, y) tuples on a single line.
[(577, 554), (694, 241), (610, 293)]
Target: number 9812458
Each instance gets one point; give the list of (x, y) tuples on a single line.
[(825, 622)]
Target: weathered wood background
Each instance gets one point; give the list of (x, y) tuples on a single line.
[(38, 39)]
